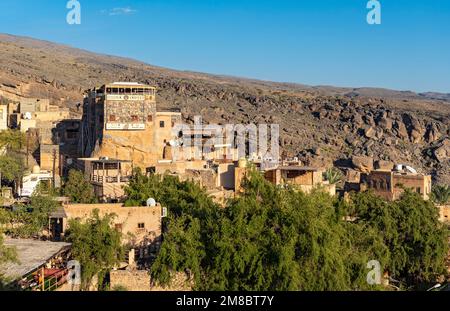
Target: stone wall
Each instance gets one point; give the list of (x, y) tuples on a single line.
[(139, 280)]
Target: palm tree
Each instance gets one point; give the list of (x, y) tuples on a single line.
[(440, 194), (333, 175)]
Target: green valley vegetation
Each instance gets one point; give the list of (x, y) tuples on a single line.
[(440, 194), (334, 176), (78, 189), (12, 156), (97, 246), (28, 221), (271, 238)]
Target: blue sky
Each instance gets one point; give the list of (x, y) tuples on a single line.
[(316, 42)]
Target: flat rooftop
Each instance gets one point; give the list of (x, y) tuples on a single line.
[(128, 84), (106, 161), (296, 168), (32, 254)]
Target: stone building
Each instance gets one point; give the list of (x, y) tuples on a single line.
[(302, 178), (108, 177), (120, 121), (140, 225), (3, 117), (391, 184)]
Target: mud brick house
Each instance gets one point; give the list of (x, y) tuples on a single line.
[(391, 184), (300, 177)]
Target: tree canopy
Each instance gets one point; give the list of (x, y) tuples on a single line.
[(96, 245), (441, 194), (78, 189), (281, 239)]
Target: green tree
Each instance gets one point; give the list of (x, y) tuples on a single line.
[(267, 239), (12, 140), (31, 220), (97, 246), (272, 238), (78, 189), (11, 167), (333, 175), (440, 194), (410, 228)]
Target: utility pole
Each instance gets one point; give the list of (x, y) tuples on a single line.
[(54, 168), (28, 147)]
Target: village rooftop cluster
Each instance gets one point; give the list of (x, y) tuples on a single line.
[(121, 129)]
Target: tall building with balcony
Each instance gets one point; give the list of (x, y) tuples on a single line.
[(120, 121)]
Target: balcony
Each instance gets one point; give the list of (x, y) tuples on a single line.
[(109, 179)]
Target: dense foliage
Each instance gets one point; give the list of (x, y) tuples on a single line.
[(28, 221), (12, 159), (97, 246), (441, 194), (411, 229), (280, 239), (78, 189)]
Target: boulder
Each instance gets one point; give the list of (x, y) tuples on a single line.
[(442, 152), (353, 176), (433, 133), (400, 129), (384, 165), (369, 132), (363, 164)]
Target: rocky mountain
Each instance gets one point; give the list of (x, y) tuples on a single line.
[(322, 125)]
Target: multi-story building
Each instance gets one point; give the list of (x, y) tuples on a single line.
[(391, 184), (120, 121)]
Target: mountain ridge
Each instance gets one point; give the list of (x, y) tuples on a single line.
[(322, 125)]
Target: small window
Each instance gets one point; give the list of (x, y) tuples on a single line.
[(418, 190), (141, 225), (112, 118), (150, 118), (162, 124)]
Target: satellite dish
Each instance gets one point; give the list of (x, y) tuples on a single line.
[(27, 116), (173, 143), (69, 161), (151, 202), (411, 170)]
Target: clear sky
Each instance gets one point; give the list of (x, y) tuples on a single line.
[(316, 42)]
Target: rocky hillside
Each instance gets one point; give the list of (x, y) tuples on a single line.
[(321, 125)]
